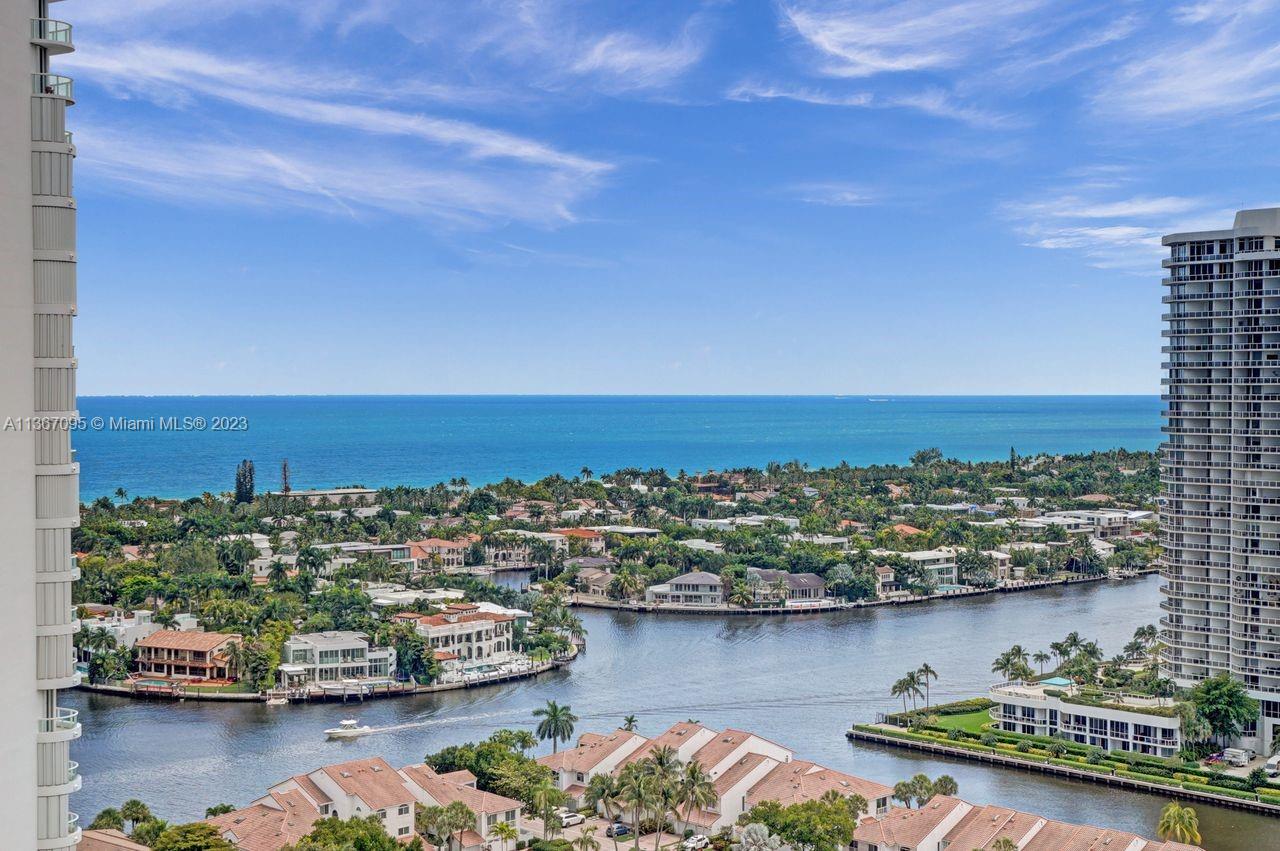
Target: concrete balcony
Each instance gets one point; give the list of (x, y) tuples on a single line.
[(63, 726), (53, 85), (53, 36), (69, 784)]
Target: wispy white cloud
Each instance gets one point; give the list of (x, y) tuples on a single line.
[(1112, 229), (933, 101), (861, 39), (833, 194), (749, 91), (190, 170), (626, 61), (1225, 60), (450, 169)]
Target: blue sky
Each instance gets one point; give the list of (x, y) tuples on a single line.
[(809, 196)]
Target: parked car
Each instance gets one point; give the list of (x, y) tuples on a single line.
[(1273, 766), (568, 818), (695, 843), (617, 829)]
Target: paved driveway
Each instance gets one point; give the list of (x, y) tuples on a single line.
[(625, 843)]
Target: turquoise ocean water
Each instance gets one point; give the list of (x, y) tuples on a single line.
[(419, 440)]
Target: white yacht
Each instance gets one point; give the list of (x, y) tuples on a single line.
[(350, 728)]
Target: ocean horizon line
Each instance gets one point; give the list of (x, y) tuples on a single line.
[(853, 396)]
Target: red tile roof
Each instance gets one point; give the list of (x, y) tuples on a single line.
[(170, 639)]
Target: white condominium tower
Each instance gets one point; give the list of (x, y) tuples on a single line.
[(1220, 519), (39, 481)]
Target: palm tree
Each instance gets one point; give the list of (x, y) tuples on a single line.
[(1040, 658), (134, 811), (1179, 824), (586, 841), (546, 797), (602, 795), (108, 819), (637, 792), (629, 723), (741, 596), (694, 790), (504, 832), (946, 785), (1004, 843), (556, 724), (925, 673)]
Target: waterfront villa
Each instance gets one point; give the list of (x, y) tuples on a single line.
[(1113, 722), (185, 655), (358, 789), (939, 565), (691, 589), (433, 554), (318, 657), (800, 587), (745, 769), (465, 632), (945, 822), (592, 541), (594, 580)]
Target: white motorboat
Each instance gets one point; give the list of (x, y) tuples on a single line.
[(349, 728)]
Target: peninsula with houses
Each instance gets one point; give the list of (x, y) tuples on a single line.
[(355, 592)]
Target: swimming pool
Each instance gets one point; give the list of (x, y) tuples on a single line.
[(952, 588)]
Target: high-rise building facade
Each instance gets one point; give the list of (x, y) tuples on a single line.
[(1220, 465), (39, 481)]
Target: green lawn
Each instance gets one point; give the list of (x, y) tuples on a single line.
[(970, 722)]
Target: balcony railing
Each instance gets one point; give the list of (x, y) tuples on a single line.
[(47, 29), (63, 719), (52, 84)]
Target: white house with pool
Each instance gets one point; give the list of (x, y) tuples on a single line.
[(1109, 720)]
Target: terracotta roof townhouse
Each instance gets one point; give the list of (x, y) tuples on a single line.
[(279, 819)]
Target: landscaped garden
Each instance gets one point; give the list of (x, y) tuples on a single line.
[(966, 727)]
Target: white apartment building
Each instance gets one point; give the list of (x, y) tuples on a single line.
[(39, 477), (326, 657), (1220, 465), (1047, 708)]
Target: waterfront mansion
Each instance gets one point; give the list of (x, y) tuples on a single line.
[(331, 656), (185, 655), (1113, 722), (465, 633), (744, 768)]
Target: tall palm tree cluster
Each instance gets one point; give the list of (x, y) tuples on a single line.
[(920, 789), (653, 791), (554, 625), (914, 685)]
